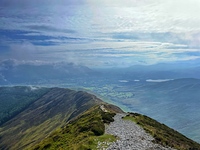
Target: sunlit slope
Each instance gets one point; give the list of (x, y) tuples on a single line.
[(87, 130), (82, 133), (43, 116)]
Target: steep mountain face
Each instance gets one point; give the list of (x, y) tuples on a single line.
[(44, 115)]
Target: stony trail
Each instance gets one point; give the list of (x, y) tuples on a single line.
[(131, 136)]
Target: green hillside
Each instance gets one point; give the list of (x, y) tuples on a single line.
[(13, 100), (43, 116), (83, 132)]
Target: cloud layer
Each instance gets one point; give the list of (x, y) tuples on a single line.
[(100, 33)]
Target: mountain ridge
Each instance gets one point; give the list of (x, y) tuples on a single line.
[(62, 114), (47, 113)]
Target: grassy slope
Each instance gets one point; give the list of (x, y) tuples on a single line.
[(82, 133), (43, 116), (163, 134)]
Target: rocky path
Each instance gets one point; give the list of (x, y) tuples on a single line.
[(131, 136)]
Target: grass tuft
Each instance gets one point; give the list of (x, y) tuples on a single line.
[(83, 133)]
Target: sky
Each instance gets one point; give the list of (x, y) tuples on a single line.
[(100, 33)]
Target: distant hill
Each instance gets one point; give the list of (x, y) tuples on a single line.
[(156, 71), (165, 70), (58, 118)]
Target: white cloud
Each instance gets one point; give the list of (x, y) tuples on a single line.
[(93, 25), (132, 15)]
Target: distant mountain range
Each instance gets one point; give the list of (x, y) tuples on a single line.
[(53, 118), (13, 72), (29, 73)]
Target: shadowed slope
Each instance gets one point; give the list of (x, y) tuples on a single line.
[(13, 100)]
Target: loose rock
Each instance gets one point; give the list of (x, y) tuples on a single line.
[(131, 136)]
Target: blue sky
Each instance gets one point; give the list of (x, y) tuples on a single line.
[(100, 32)]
